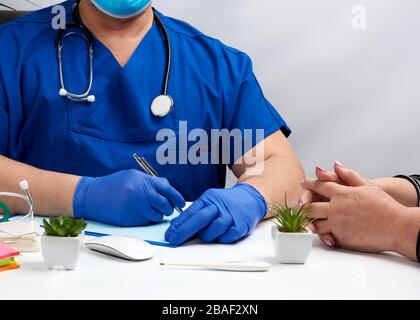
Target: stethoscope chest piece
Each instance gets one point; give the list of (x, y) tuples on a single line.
[(162, 106)]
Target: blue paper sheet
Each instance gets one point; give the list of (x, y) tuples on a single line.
[(154, 234)]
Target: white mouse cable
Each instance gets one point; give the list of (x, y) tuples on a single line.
[(27, 197), (24, 185)]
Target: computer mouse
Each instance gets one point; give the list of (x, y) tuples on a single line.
[(128, 248)]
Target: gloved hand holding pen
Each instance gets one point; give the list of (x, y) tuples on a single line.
[(222, 215), (126, 198)]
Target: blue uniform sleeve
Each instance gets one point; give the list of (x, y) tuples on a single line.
[(4, 123), (245, 107), (4, 114)]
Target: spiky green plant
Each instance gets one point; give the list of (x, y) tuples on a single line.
[(291, 220), (64, 226)]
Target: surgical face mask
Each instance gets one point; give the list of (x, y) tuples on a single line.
[(122, 9)]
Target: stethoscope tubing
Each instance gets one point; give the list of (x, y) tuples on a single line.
[(89, 39), (168, 53), (72, 96)]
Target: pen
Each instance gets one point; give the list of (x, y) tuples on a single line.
[(147, 168)]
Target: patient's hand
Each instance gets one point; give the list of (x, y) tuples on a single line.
[(309, 196), (361, 216)]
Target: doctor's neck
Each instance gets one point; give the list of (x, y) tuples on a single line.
[(101, 24)]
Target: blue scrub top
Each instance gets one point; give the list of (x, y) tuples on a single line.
[(213, 87)]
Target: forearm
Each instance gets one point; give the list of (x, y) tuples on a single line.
[(400, 189), (406, 233), (280, 176), (52, 192)]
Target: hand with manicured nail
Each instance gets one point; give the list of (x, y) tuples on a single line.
[(220, 215), (322, 175), (309, 196), (360, 216)]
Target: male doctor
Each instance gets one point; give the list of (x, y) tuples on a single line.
[(76, 154)]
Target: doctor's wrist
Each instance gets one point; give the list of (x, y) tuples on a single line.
[(79, 199), (257, 196)]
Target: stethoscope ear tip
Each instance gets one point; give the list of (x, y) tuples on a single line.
[(63, 92), (91, 99)]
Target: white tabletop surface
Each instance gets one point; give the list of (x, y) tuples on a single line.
[(328, 274)]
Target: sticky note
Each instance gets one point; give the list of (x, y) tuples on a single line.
[(11, 266), (7, 252), (6, 262)]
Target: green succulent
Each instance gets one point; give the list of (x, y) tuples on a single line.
[(291, 220), (64, 226)]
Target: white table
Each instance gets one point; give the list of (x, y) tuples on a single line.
[(328, 274)]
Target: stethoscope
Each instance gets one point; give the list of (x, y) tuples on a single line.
[(161, 105)]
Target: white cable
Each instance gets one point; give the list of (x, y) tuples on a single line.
[(24, 185), (24, 197)]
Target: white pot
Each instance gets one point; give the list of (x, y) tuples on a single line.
[(61, 252), (292, 247)]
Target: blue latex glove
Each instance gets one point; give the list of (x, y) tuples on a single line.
[(127, 198), (224, 215)]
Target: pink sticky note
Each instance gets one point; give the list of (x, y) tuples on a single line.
[(7, 252)]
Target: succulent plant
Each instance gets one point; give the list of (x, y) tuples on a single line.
[(64, 226), (291, 220)]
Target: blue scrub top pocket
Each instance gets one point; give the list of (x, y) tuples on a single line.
[(118, 116)]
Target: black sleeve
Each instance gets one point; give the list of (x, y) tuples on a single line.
[(415, 181), (418, 248)]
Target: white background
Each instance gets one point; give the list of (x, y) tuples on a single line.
[(349, 95)]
